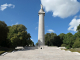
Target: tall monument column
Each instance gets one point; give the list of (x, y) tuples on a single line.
[(41, 32)]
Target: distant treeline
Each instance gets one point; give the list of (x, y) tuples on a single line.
[(66, 40)]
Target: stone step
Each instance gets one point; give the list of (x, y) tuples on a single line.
[(48, 53)]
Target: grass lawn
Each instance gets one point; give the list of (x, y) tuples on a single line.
[(73, 50), (1, 52), (4, 49)]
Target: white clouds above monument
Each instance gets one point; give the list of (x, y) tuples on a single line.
[(61, 8), (73, 24), (50, 30), (4, 6)]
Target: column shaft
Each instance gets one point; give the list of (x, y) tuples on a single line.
[(41, 30)]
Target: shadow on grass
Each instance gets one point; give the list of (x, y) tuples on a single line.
[(5, 49)]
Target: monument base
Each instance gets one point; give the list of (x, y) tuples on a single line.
[(42, 47)]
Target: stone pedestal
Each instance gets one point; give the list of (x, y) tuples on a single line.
[(42, 47)]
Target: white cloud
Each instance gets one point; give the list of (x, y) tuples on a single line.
[(12, 25), (50, 30), (32, 39), (4, 6), (16, 23), (73, 24), (36, 27), (75, 17), (61, 8)]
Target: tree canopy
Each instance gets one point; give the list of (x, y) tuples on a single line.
[(18, 35), (3, 34), (12, 36)]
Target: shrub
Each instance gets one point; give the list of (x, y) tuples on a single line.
[(68, 47), (63, 45)]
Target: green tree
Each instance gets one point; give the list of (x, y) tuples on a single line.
[(68, 38), (76, 43), (52, 35), (18, 35), (76, 35), (33, 44), (30, 42), (61, 36), (3, 34), (71, 41), (56, 41), (78, 28), (37, 44), (48, 37)]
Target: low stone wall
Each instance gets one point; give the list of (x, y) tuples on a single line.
[(30, 47), (19, 48)]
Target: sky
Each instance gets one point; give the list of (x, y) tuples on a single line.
[(61, 16)]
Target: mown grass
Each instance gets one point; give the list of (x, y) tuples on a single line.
[(72, 49), (1, 52), (75, 50)]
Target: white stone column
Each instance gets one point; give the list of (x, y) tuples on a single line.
[(41, 32)]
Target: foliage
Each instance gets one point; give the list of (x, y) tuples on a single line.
[(31, 43), (68, 40), (16, 35), (78, 28), (63, 45), (76, 35), (68, 47), (12, 36), (61, 36), (51, 39), (77, 43), (48, 37), (19, 36), (37, 44), (3, 34), (57, 41)]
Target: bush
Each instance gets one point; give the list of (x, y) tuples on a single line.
[(63, 45), (68, 47)]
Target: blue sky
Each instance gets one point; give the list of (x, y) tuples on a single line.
[(61, 16)]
